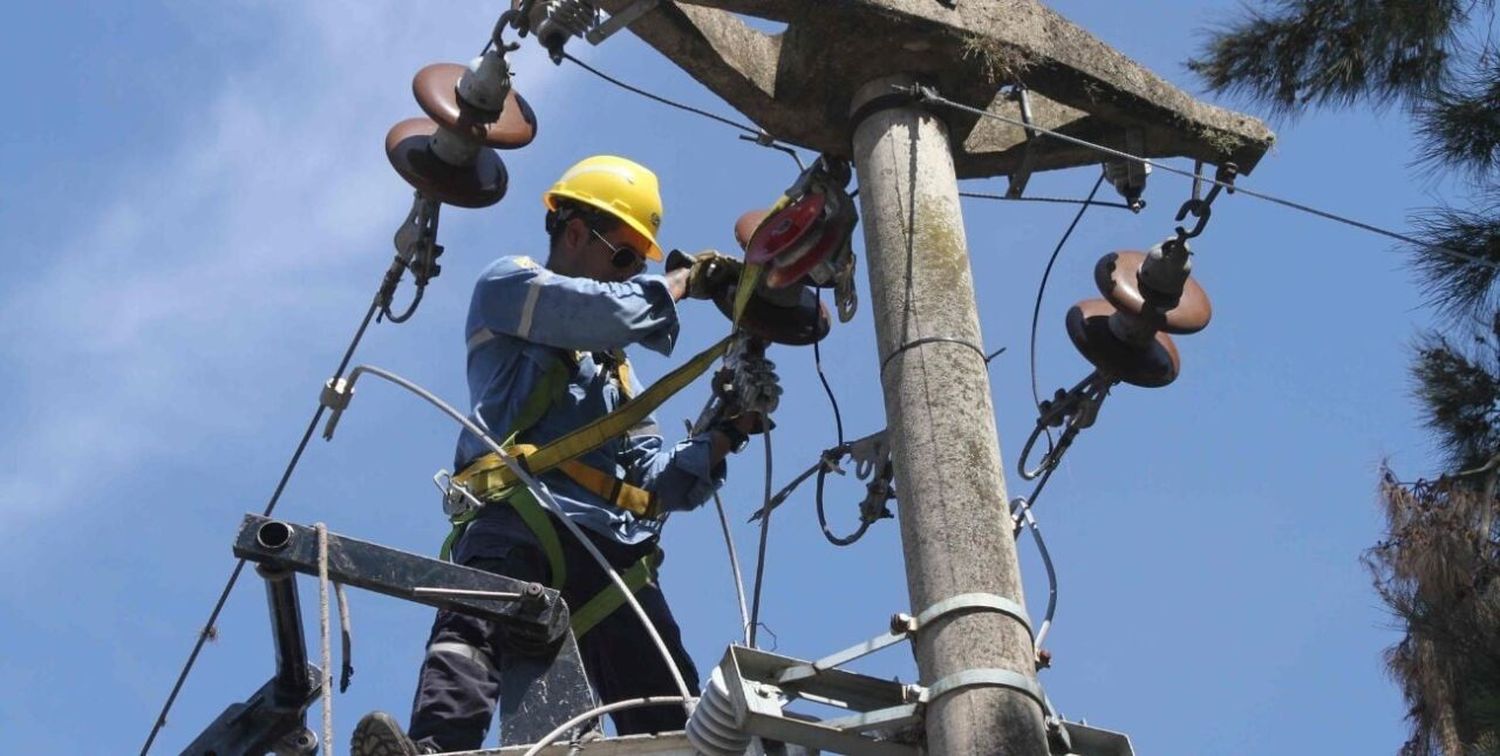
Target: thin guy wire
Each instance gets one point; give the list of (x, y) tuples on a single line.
[(734, 558), (239, 567), (659, 98), (1056, 200), (760, 558), (547, 501), (929, 94), (1036, 309)]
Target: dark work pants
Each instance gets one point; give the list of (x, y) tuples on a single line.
[(458, 688)]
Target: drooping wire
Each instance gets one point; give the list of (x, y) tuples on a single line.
[(928, 94), (838, 418), (671, 103), (765, 531), (213, 617), (1036, 309)]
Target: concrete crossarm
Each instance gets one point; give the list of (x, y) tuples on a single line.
[(798, 84)]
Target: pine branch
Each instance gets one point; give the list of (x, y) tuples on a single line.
[(1334, 52), (1462, 126), (1461, 291)]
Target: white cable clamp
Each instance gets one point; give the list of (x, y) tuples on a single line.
[(335, 396), (965, 602), (986, 678)]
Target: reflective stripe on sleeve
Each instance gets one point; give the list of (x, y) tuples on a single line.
[(480, 338), (528, 308)]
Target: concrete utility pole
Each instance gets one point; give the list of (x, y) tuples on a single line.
[(827, 82), (955, 525)]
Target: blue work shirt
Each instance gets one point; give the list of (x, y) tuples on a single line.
[(523, 318)]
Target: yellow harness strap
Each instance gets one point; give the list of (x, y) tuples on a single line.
[(489, 474), (596, 434)]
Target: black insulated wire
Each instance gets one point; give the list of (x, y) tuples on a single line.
[(234, 576), (928, 94), (1036, 309)]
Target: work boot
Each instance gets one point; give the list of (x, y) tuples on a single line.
[(378, 734)]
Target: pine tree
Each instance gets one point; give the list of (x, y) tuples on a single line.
[(1437, 571)]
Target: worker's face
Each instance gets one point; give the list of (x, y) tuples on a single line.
[(614, 255)]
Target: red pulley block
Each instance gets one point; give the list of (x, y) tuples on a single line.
[(479, 183), (786, 228), (792, 315), (436, 90)]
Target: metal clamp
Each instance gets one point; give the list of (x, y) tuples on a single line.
[(985, 678), (973, 602)]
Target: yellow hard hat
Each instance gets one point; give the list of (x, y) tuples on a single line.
[(623, 188)]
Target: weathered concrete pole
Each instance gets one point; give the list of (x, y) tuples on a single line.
[(955, 524)]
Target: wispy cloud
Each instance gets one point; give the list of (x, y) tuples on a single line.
[(208, 270)]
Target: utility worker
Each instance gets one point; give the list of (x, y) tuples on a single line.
[(545, 356)]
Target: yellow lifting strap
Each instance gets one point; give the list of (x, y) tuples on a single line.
[(589, 437), (750, 273)]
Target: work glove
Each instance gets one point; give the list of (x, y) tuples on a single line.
[(710, 273)]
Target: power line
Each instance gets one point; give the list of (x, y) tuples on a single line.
[(671, 103), (213, 617), (1041, 289), (1056, 200), (929, 94)]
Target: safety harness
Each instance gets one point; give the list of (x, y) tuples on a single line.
[(490, 480)]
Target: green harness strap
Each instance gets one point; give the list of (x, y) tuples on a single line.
[(605, 602)]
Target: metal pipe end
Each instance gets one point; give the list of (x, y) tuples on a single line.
[(274, 535)]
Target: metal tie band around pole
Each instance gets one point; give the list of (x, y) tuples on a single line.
[(964, 602), (986, 678), (936, 339)]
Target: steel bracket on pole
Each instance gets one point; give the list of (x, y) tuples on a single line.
[(1022, 173), (877, 707)]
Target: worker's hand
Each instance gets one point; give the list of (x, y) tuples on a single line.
[(709, 273)]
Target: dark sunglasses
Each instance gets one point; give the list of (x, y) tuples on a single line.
[(623, 256)]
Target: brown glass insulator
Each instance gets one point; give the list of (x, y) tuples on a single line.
[(1116, 275), (481, 183), (1127, 349), (436, 90)]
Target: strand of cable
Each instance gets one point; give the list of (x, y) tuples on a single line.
[(1023, 515), (599, 711), (325, 632), (658, 98), (838, 418), (836, 540), (760, 557), (929, 94), (545, 498), (239, 567), (734, 568), (1056, 200), (1036, 309), (734, 558)]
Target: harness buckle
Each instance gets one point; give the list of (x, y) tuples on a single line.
[(458, 501)]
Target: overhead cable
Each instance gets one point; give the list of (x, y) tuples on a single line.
[(1036, 309), (929, 94), (208, 630)]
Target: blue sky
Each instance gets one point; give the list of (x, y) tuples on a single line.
[(199, 209)]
